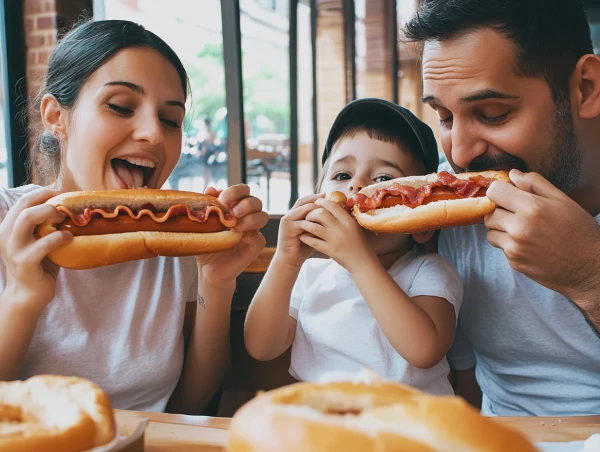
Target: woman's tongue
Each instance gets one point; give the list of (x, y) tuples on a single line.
[(131, 175)]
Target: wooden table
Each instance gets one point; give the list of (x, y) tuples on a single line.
[(170, 433)]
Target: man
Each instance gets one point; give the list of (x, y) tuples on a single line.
[(516, 86)]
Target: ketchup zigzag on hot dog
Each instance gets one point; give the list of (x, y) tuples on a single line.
[(423, 203), (115, 226)]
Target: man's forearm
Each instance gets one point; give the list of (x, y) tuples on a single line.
[(586, 293)]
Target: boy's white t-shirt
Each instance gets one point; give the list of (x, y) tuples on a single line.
[(337, 334), (119, 326)]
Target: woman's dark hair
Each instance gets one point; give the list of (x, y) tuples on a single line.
[(550, 36), (79, 54)]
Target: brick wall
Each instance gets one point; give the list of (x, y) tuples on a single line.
[(43, 20), (40, 30)]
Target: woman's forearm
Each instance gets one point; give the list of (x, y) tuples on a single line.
[(18, 320), (207, 357)]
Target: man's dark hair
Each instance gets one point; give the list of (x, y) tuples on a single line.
[(550, 36)]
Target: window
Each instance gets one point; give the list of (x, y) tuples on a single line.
[(266, 80), (308, 162), (277, 156), (13, 128), (3, 148)]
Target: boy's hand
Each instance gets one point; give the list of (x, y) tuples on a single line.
[(331, 230), (289, 246)]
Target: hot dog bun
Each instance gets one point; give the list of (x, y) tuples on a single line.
[(365, 416), (427, 217), (337, 197), (51, 413), (90, 251)]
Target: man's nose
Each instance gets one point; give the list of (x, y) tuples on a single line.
[(465, 145)]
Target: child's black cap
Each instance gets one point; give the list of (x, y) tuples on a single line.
[(379, 109)]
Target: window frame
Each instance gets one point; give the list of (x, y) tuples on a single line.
[(15, 108)]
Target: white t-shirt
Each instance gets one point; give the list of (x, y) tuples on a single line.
[(119, 326), (337, 333)]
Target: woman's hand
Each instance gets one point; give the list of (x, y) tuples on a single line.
[(31, 276), (224, 267)]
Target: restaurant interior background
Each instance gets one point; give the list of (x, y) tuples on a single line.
[(268, 78)]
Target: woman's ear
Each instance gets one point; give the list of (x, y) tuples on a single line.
[(586, 82), (53, 116), (423, 237)]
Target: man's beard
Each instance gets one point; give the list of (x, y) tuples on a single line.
[(562, 162)]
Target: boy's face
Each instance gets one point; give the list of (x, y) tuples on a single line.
[(361, 161)]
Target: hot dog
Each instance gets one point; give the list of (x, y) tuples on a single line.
[(423, 203), (115, 226)]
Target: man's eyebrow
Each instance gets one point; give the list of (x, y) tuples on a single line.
[(430, 100), (486, 94), (475, 97)]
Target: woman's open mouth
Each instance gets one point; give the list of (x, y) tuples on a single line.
[(133, 172)]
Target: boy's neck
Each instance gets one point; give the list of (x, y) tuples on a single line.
[(388, 259)]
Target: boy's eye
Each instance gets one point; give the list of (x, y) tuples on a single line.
[(382, 179), (341, 176)]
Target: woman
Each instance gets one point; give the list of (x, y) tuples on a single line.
[(112, 109)]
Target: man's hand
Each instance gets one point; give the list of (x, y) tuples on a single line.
[(548, 237)]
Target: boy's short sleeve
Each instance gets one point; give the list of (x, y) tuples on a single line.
[(298, 292), (437, 277)]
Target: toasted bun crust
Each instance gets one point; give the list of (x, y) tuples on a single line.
[(91, 251), (435, 215), (392, 417), (134, 198), (48, 413)]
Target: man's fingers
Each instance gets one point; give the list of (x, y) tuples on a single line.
[(498, 219), (534, 183), (506, 195)]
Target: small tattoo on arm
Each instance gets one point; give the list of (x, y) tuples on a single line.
[(201, 301)]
